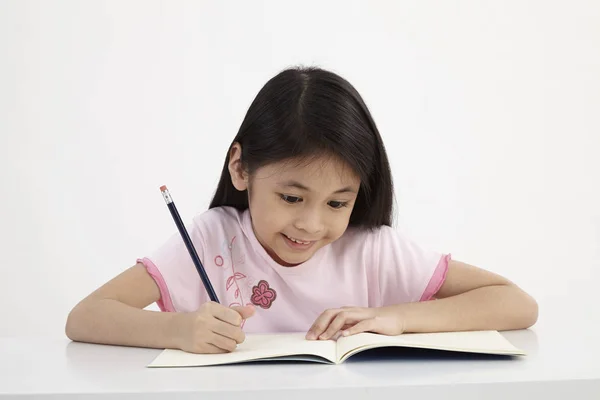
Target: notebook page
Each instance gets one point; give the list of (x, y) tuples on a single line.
[(488, 342), (254, 347)]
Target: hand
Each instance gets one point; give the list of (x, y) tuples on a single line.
[(352, 320), (214, 328)]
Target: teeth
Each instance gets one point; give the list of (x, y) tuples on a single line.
[(296, 240)]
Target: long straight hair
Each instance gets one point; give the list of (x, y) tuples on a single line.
[(303, 113)]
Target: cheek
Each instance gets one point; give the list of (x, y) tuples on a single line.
[(268, 218), (338, 228)]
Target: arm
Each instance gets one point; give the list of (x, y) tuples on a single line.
[(114, 314), (470, 299)]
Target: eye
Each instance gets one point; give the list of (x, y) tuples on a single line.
[(290, 199), (337, 204)]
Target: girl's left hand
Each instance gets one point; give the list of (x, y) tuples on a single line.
[(352, 320)]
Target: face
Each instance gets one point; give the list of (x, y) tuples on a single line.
[(297, 208)]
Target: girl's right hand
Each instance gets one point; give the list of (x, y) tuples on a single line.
[(214, 328)]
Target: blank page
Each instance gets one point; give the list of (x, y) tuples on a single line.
[(255, 347)]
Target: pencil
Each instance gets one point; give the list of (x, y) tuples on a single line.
[(188, 243)]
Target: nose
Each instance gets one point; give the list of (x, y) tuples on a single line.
[(309, 221)]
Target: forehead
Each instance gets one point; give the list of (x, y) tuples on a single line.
[(323, 170)]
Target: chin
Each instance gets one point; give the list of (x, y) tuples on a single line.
[(292, 262)]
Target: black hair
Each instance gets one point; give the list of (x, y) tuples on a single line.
[(305, 112)]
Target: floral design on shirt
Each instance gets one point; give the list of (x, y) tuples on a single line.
[(262, 295), (230, 253)]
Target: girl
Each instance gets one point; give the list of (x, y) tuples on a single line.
[(298, 237)]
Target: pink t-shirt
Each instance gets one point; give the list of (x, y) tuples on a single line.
[(361, 269)]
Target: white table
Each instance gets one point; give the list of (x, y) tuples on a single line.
[(560, 365)]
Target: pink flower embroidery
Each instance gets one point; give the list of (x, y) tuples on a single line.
[(262, 295)]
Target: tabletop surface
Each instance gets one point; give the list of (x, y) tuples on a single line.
[(559, 361)]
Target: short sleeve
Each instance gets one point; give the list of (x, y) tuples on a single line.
[(407, 272), (174, 272)]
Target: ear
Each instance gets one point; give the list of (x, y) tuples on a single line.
[(239, 177)]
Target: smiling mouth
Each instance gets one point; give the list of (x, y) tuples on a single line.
[(304, 242)]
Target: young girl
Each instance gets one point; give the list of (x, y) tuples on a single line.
[(298, 238)]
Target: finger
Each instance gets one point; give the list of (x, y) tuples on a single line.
[(211, 349), (341, 319), (321, 323), (339, 333), (226, 314), (245, 311), (228, 330), (363, 326), (222, 342)]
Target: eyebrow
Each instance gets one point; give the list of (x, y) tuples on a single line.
[(300, 186)]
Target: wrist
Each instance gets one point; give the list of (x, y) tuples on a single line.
[(176, 328), (397, 315), (426, 316)]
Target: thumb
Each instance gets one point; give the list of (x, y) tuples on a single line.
[(245, 311)]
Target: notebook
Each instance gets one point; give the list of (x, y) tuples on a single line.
[(294, 346)]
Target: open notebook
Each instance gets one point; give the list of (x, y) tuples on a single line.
[(293, 346)]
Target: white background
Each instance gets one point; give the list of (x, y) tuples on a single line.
[(490, 111)]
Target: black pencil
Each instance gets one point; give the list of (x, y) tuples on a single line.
[(188, 243)]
